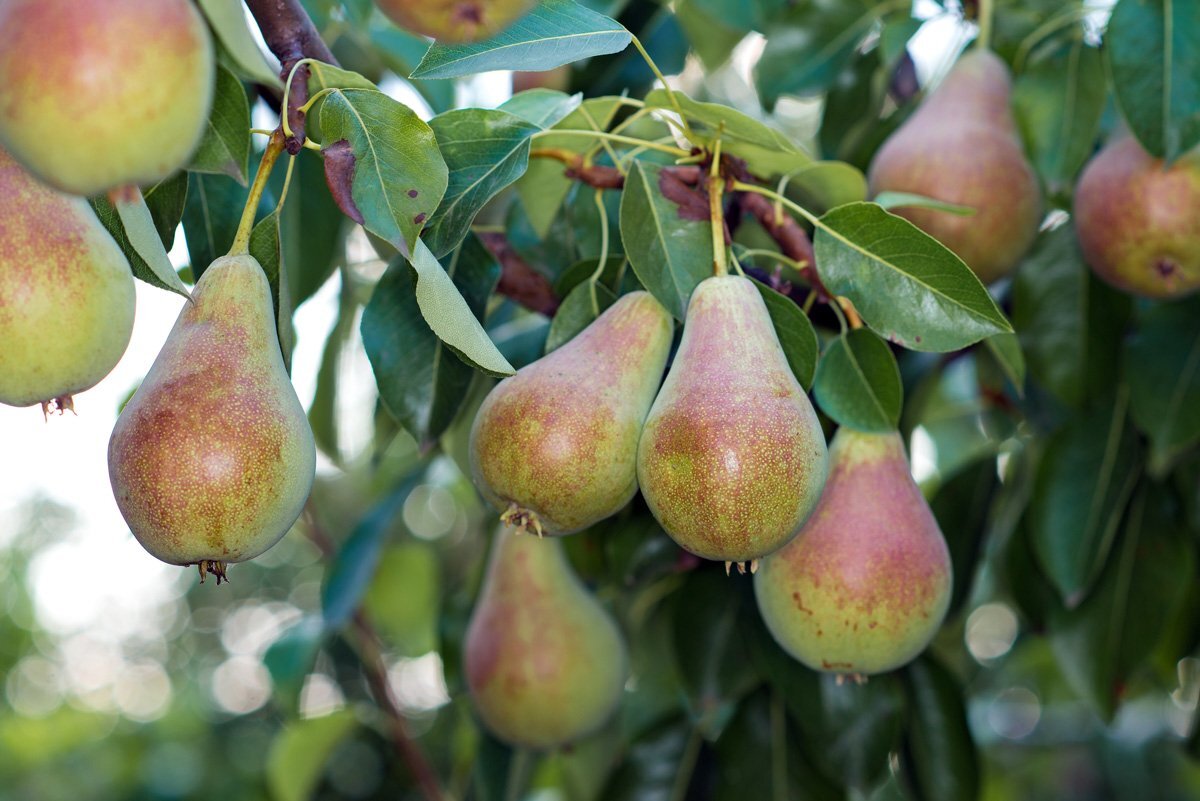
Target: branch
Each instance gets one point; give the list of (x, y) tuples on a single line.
[(291, 36), (792, 239), (518, 280)]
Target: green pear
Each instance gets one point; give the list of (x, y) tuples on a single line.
[(962, 147), (66, 293), (104, 93), (1137, 222), (455, 21), (545, 664), (732, 458), (866, 584), (554, 447), (212, 459)]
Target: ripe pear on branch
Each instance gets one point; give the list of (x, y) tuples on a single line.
[(105, 93), (455, 21), (212, 460), (66, 293), (554, 447), (962, 147), (865, 585), (732, 459)]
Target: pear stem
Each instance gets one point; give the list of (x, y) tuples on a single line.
[(984, 41), (716, 186), (241, 242)]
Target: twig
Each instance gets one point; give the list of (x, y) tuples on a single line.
[(792, 239), (291, 36)]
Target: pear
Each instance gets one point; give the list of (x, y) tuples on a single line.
[(455, 21), (1136, 220), (732, 458), (554, 447), (545, 664), (212, 459), (66, 293), (104, 93), (866, 584), (962, 147)]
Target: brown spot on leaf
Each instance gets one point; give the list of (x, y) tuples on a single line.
[(413, 193), (692, 203), (339, 174), (420, 218)]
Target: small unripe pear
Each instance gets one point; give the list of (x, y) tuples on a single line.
[(554, 447), (866, 583), (66, 293), (962, 147), (545, 663), (212, 459), (104, 93), (732, 459), (455, 21), (1138, 221)]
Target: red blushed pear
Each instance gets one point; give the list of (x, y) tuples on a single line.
[(865, 585), (554, 447), (66, 293), (962, 147), (1138, 220), (103, 93), (455, 21), (212, 459), (545, 663), (732, 459)]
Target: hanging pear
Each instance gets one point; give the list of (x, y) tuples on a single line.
[(554, 446), (732, 458), (66, 293), (962, 147), (455, 21), (1137, 222), (104, 93), (212, 459), (545, 663), (865, 585)]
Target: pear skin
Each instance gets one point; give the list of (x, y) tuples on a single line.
[(212, 459), (554, 447), (545, 664), (865, 585), (962, 146), (1137, 220), (104, 93), (455, 21), (732, 458), (66, 293)]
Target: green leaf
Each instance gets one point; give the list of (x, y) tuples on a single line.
[(485, 151), (265, 248), (654, 764), (709, 35), (166, 201), (556, 32), (858, 382), (354, 566), (401, 51), (225, 147), (962, 506), (144, 238), (1102, 642), (895, 200), (809, 45), (312, 228), (327, 76), (670, 253), (1162, 363), (404, 597), (582, 305), (290, 658), (906, 285), (828, 184), (544, 108), (1058, 102), (795, 332), (420, 381), (210, 218), (322, 414), (382, 163), (451, 318), (1083, 484), (766, 151), (300, 751), (1006, 349), (228, 19), (940, 757), (1153, 49)]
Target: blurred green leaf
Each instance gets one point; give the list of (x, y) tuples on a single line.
[(858, 383), (1006, 349), (210, 217), (655, 764), (403, 598), (300, 751), (228, 19), (556, 32), (906, 285), (290, 658), (545, 108), (940, 753), (962, 506), (810, 44)]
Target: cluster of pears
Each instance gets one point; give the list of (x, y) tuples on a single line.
[(455, 21), (962, 147)]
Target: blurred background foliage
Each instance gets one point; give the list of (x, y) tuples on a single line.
[(285, 683)]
